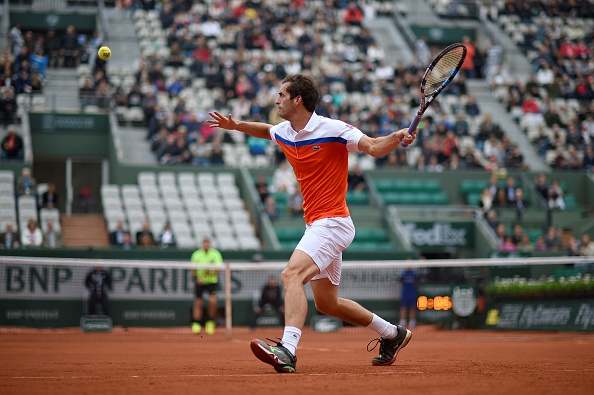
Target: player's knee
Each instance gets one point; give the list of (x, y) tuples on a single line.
[(289, 277)]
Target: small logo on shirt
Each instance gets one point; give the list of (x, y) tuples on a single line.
[(316, 147)]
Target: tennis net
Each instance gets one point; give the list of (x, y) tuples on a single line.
[(49, 294)]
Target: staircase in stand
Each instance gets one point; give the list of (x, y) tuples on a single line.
[(84, 230)]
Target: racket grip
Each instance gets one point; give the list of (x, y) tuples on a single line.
[(411, 128)]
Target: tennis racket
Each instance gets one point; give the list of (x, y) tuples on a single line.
[(438, 75)]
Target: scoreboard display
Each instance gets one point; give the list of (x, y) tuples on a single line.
[(441, 303)]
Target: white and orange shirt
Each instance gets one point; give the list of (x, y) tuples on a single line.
[(319, 156)]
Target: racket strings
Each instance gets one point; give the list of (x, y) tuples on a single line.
[(443, 69)]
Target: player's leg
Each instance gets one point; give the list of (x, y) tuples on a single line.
[(210, 325), (328, 302), (300, 269), (197, 309)]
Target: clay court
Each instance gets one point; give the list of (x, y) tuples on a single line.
[(175, 362)]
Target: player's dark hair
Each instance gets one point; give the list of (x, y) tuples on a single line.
[(306, 87)]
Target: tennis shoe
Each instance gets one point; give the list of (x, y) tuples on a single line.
[(389, 348), (209, 327), (196, 328), (281, 359)]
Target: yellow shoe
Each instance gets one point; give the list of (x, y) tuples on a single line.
[(196, 328), (210, 327)]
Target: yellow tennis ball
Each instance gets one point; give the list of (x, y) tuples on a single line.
[(104, 53)]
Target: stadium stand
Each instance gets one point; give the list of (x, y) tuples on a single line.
[(195, 205)]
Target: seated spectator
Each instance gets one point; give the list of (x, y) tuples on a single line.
[(8, 105), (471, 109), (586, 245), (500, 200), (146, 241), (519, 203), (356, 180), (86, 94), (116, 238), (127, 242), (588, 160), (507, 245), (270, 208), (216, 153), (510, 189), (167, 238), (540, 244), (552, 239), (295, 203), (271, 298), (491, 218), (145, 231), (525, 245), (12, 146), (31, 235), (70, 47), (353, 15), (9, 239), (52, 238), (573, 248), (262, 187), (501, 233), (283, 179), (541, 186), (555, 196), (49, 198), (26, 185), (517, 234), (485, 200)]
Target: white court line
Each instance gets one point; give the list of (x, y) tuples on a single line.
[(209, 375)]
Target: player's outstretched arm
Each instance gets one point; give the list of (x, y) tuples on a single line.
[(382, 146), (255, 129)]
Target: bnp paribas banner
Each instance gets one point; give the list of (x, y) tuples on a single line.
[(572, 315), (55, 296)]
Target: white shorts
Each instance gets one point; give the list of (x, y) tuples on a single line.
[(324, 241)]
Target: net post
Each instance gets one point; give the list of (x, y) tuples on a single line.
[(228, 313)]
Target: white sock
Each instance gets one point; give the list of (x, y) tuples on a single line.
[(383, 327), (291, 338)]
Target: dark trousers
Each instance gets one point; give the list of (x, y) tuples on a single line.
[(94, 300)]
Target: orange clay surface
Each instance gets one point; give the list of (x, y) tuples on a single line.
[(173, 361)]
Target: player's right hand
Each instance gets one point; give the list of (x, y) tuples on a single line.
[(220, 121)]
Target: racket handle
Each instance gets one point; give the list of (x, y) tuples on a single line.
[(412, 127)]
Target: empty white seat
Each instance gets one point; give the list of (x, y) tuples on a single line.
[(173, 204), (147, 177), (243, 229), (153, 203), (166, 178), (225, 179), (186, 242), (213, 203), (186, 179), (205, 178), (130, 190), (227, 243), (240, 216), (6, 176), (249, 243), (109, 190), (218, 216), (229, 191), (233, 204), (25, 202)]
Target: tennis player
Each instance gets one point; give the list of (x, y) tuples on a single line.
[(317, 147)]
